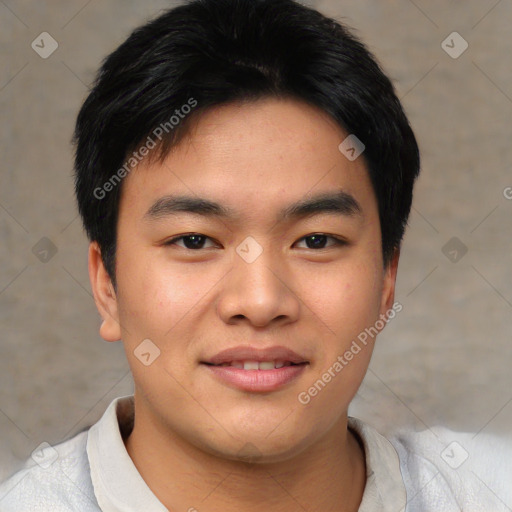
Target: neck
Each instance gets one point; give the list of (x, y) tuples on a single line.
[(329, 475)]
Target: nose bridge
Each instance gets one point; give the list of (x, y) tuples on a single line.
[(257, 286), (255, 267)]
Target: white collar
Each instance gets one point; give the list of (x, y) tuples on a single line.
[(118, 485), (385, 489)]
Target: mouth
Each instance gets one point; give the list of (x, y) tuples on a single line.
[(255, 370), (257, 365), (255, 358)]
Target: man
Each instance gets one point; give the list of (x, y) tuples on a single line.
[(244, 172)]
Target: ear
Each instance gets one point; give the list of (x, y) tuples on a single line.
[(104, 295), (388, 288)]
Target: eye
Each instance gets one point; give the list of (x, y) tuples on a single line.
[(192, 241), (318, 241), (196, 241)]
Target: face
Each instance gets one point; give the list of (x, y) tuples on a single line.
[(251, 273)]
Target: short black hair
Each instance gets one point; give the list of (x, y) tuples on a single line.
[(207, 53)]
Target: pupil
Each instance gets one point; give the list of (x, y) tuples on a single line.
[(193, 245), (318, 241)]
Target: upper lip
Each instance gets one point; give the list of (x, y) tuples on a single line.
[(248, 353)]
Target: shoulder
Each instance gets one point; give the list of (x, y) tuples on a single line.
[(453, 471), (55, 478)]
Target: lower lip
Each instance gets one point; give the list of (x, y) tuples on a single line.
[(256, 380)]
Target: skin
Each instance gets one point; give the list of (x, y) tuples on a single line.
[(191, 433)]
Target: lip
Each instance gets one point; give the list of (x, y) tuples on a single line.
[(248, 353), (255, 380)]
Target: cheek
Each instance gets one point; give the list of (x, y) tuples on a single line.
[(345, 302), (157, 292), (346, 298)]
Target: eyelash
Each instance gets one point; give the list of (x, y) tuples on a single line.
[(337, 241)]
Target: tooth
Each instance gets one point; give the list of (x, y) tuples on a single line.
[(267, 365), (237, 364), (251, 365), (279, 364)]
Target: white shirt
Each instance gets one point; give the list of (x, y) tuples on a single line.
[(93, 472)]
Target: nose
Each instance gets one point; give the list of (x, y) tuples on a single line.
[(259, 292)]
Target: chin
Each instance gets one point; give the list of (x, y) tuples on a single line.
[(258, 449)]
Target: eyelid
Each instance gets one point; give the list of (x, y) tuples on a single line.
[(173, 240), (338, 241)]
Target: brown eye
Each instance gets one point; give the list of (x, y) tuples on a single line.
[(193, 241), (319, 240)]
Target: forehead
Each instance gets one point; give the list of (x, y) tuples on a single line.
[(254, 157)]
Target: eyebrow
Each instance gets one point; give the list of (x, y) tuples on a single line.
[(335, 203)]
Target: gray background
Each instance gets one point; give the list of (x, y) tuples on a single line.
[(444, 360)]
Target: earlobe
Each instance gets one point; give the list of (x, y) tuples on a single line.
[(104, 295)]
